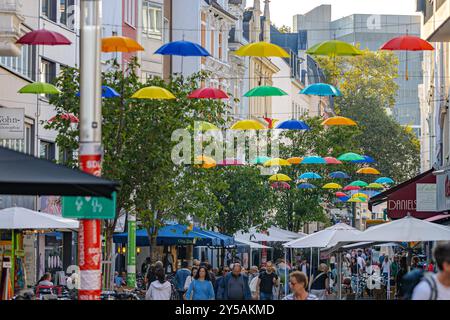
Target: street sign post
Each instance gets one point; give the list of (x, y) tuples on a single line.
[(89, 207)]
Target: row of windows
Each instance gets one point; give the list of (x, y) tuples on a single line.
[(215, 40), (22, 64), (152, 15), (59, 11)]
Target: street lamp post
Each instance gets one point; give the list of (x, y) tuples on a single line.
[(90, 152)]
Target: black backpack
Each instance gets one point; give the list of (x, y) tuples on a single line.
[(413, 278)]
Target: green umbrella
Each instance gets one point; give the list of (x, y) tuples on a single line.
[(203, 126), (334, 48), (39, 88), (350, 156), (359, 183), (375, 185), (260, 160), (265, 91)]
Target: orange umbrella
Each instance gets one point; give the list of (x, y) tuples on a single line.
[(120, 44), (368, 170), (295, 160), (338, 121)]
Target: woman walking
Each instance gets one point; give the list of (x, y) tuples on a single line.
[(189, 279), (160, 289), (320, 284), (201, 287)]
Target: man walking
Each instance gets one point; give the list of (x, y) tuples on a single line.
[(180, 278), (266, 282), (235, 285), (436, 287)]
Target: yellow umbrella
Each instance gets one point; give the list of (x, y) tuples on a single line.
[(295, 160), (332, 186), (276, 162), (339, 121), (120, 44), (358, 200), (207, 162), (248, 125), (360, 195), (368, 170), (153, 93), (262, 49), (279, 177)]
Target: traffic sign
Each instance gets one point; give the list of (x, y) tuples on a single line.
[(89, 207)]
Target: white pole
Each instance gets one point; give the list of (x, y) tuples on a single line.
[(285, 272)]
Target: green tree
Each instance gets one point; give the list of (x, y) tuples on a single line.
[(368, 89)]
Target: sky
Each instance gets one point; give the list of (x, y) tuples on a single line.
[(282, 10)]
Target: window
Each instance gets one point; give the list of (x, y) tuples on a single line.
[(47, 150), (22, 64), (49, 9), (29, 139), (47, 72), (152, 19), (129, 14), (67, 13)]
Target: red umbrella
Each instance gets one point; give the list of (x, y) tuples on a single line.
[(281, 185), (340, 194), (65, 116), (351, 188), (44, 37), (208, 93), (407, 43), (331, 160), (230, 162)]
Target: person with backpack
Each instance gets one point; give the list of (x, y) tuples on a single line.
[(160, 289), (435, 286), (319, 286)]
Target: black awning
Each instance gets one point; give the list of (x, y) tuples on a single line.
[(22, 174)]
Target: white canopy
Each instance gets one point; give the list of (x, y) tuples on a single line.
[(325, 238), (407, 229), (274, 234), (252, 245), (22, 218)]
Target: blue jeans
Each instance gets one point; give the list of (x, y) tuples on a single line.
[(265, 296)]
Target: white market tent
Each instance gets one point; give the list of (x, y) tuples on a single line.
[(285, 234), (255, 236), (21, 218), (252, 245)]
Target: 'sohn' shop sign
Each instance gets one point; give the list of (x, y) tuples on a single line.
[(11, 123)]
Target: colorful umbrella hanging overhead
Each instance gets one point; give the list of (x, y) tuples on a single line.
[(262, 49), (332, 186), (366, 159), (208, 93), (384, 180), (306, 186), (357, 200), (230, 162), (339, 175), (340, 194), (359, 183), (313, 160), (322, 90), (350, 156), (183, 48), (338, 121), (351, 188), (43, 37), (120, 44), (332, 160), (360, 195), (334, 48), (205, 162), (281, 185), (310, 175), (107, 92), (375, 185), (248, 125), (280, 177), (293, 125), (407, 43), (260, 160), (39, 88), (368, 170), (344, 199), (295, 160), (153, 92), (65, 116), (265, 91), (276, 162)]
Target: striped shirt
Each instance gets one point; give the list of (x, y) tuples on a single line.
[(309, 297)]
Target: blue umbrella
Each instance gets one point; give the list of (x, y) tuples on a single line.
[(344, 199), (310, 175), (339, 175), (313, 160), (321, 89), (260, 160), (384, 180), (183, 48), (293, 125), (306, 186), (367, 159), (107, 92)]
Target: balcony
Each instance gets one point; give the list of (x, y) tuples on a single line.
[(436, 26), (10, 21)]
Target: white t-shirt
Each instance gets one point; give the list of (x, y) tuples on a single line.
[(423, 290), (386, 266), (361, 262)]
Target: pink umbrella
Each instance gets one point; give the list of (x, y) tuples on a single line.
[(44, 37), (281, 185), (230, 162), (64, 116), (332, 160), (351, 188), (208, 93), (340, 194)]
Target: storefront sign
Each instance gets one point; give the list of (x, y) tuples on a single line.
[(11, 123), (91, 164), (89, 207), (426, 197)]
